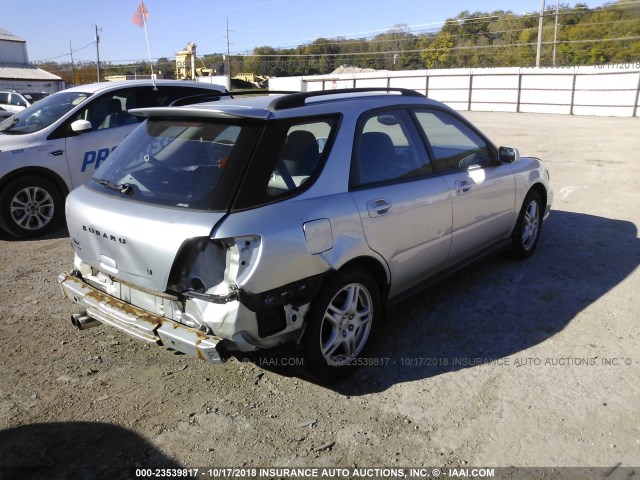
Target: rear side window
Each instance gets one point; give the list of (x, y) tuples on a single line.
[(288, 159), (454, 144), (165, 95)]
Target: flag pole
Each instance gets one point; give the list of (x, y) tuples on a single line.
[(146, 36)]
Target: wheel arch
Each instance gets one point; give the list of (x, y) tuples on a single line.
[(540, 189), (373, 266), (40, 172)]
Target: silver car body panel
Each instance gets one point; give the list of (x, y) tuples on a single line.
[(134, 242)]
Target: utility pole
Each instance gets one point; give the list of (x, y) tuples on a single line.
[(98, 49), (540, 33), (73, 71), (228, 55), (555, 34)]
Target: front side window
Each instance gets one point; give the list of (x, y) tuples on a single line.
[(185, 164), (110, 110), (387, 148), (454, 145)]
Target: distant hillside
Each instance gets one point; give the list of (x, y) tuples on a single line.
[(607, 34)]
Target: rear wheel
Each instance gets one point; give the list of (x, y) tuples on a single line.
[(341, 322), (30, 207), (527, 231)]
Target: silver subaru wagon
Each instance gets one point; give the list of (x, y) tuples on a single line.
[(226, 228)]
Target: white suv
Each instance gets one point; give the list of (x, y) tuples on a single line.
[(56, 145), (242, 225)]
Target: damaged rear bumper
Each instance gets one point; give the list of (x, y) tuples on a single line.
[(140, 323)]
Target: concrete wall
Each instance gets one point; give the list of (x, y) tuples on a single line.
[(608, 90)]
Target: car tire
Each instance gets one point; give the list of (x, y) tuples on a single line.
[(526, 233), (341, 324), (30, 207)]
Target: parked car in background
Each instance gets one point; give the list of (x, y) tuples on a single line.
[(56, 145), (233, 227), (15, 101)]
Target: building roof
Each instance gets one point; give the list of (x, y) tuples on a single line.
[(4, 35), (15, 71)]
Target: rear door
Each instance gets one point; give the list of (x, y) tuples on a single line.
[(482, 188), (405, 209)]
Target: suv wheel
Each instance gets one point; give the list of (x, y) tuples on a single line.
[(29, 207), (341, 322)]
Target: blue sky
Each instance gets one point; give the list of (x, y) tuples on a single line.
[(49, 25)]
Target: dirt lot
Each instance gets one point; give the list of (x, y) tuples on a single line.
[(531, 363)]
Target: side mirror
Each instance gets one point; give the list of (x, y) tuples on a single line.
[(81, 126), (508, 154)]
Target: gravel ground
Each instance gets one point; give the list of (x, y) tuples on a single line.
[(529, 364)]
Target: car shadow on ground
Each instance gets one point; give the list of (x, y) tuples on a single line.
[(500, 306), (60, 232), (76, 450)]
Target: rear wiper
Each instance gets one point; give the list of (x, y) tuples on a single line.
[(118, 187)]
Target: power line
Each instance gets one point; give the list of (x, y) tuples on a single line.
[(506, 16), (66, 54), (417, 35)]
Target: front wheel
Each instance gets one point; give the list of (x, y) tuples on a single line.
[(341, 321), (526, 234), (30, 207)]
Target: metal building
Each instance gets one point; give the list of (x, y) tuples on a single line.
[(15, 71)]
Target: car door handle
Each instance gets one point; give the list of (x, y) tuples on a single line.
[(378, 207), (56, 153), (462, 186)]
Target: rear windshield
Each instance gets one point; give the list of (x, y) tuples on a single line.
[(181, 163)]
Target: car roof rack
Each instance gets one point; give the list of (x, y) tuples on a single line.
[(214, 96), (298, 99)]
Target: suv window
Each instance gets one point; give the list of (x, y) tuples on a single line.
[(453, 144), (4, 97), (388, 148), (287, 160), (165, 95), (110, 110)]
